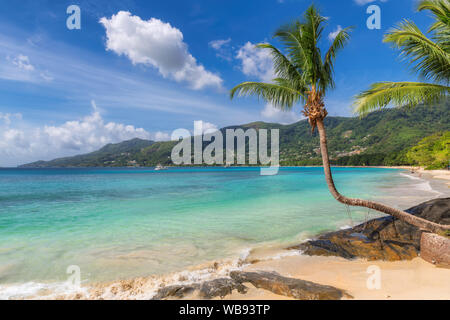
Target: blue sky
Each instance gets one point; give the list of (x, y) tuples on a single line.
[(64, 92)]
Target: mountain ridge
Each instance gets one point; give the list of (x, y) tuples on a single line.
[(380, 138)]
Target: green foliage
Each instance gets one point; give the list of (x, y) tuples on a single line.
[(432, 152), (382, 94), (428, 56), (111, 155)]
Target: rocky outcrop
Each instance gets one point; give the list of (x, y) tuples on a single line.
[(205, 290), (271, 281), (380, 239), (289, 287)]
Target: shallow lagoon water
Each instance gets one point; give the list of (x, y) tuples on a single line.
[(129, 222)]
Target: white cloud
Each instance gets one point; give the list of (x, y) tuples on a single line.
[(218, 44), (209, 127), (222, 48), (333, 35), (20, 68), (157, 44), (23, 62), (6, 117), (20, 143), (161, 136), (272, 114), (364, 2), (256, 62)]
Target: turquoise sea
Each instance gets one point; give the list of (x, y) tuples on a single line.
[(128, 222)]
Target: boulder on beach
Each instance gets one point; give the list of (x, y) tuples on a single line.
[(271, 281), (385, 238)]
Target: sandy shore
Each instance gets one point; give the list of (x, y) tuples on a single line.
[(443, 175), (403, 280), (361, 279)]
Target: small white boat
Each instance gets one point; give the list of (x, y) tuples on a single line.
[(160, 167)]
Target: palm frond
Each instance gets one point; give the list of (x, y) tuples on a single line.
[(440, 10), (280, 96), (427, 57), (311, 33), (441, 27), (339, 42), (284, 68), (290, 36), (382, 94)]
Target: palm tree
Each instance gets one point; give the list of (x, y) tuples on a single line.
[(304, 76), (429, 57)]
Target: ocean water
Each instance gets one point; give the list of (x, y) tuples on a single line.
[(129, 222)]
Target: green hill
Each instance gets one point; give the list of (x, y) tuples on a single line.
[(381, 138), (118, 155)]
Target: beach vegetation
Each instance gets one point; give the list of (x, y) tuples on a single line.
[(432, 152)]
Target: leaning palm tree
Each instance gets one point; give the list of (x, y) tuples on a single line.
[(429, 57), (303, 75)]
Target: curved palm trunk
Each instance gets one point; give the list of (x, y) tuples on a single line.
[(402, 215)]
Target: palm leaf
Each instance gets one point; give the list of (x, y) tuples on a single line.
[(282, 97), (284, 68), (383, 94), (339, 42), (427, 57), (441, 12)]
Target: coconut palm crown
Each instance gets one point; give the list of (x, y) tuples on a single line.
[(302, 74)]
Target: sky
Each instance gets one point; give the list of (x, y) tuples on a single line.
[(143, 68)]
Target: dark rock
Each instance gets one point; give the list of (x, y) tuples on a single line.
[(176, 291), (290, 287), (384, 238), (220, 288), (206, 290)]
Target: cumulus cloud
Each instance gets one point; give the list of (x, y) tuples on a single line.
[(208, 127), (158, 44), (20, 143), (364, 2), (256, 62), (333, 35), (270, 113), (6, 117), (161, 136)]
